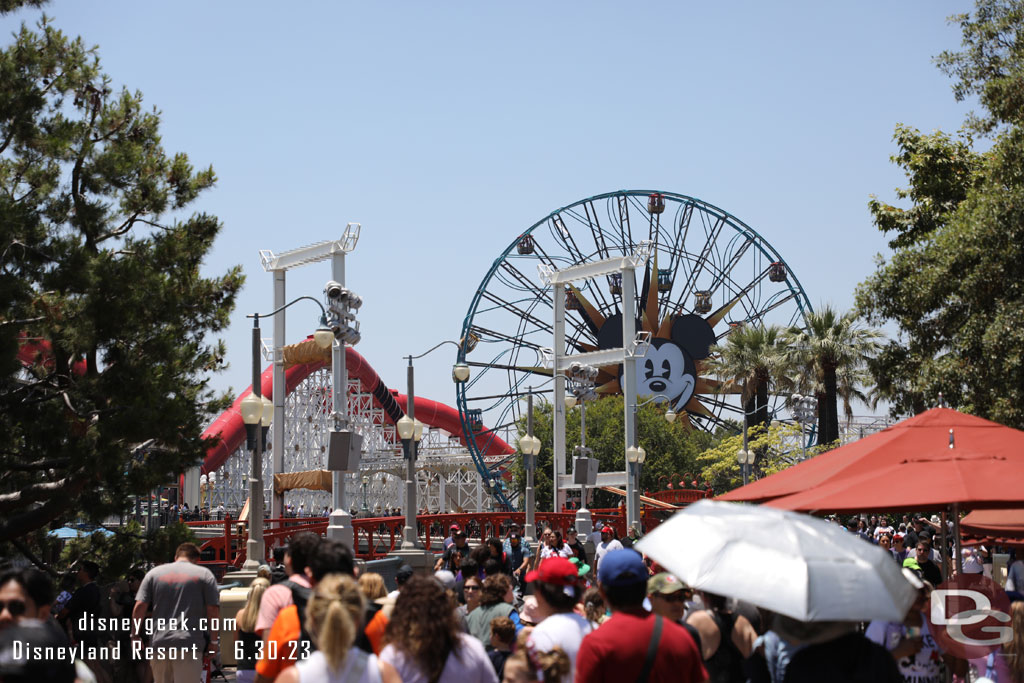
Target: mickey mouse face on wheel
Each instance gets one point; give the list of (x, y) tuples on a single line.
[(666, 370), (669, 367)]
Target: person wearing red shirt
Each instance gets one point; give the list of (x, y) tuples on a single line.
[(634, 640)]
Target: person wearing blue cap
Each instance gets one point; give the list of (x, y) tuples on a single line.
[(634, 640)]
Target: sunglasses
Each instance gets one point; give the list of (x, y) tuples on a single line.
[(471, 588), (678, 596), (15, 607)]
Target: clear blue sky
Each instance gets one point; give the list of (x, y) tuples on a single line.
[(446, 129)]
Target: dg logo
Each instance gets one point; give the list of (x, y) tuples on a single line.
[(970, 616)]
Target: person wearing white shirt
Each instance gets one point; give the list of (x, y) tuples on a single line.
[(557, 589), (607, 544)]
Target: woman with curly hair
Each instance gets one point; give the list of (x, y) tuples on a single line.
[(495, 601), (333, 617), (425, 643)]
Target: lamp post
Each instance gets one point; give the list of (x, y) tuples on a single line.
[(257, 414), (805, 410), (636, 456), (530, 446), (410, 430)]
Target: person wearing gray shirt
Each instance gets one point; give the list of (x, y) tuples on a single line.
[(186, 607)]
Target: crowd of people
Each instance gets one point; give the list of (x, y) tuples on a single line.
[(568, 608)]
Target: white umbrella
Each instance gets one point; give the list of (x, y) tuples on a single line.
[(783, 561)]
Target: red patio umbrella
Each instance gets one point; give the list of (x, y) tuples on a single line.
[(931, 480), (909, 465), (997, 523), (938, 459)]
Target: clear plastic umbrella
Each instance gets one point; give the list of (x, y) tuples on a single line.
[(786, 562)]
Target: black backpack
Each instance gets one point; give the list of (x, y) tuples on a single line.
[(300, 598)]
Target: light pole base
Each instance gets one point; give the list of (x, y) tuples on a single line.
[(339, 528), (584, 522), (422, 561), (253, 554)]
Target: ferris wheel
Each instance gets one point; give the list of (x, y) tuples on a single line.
[(707, 273)]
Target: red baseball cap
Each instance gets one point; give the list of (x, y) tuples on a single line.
[(607, 530), (455, 527), (555, 570)]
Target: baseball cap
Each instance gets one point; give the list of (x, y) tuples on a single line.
[(911, 563), (445, 578), (513, 537), (664, 584), (624, 567), (530, 613), (454, 527), (606, 530), (403, 574), (555, 570), (583, 567)]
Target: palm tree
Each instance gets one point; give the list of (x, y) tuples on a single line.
[(754, 359), (832, 346)]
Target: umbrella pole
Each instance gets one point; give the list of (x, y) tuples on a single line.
[(959, 560), (943, 540)]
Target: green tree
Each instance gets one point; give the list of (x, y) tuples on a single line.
[(779, 446), (127, 548), (990, 64), (105, 320), (671, 448), (953, 286), (832, 345), (755, 359)]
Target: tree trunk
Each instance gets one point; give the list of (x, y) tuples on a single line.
[(761, 415), (831, 410)]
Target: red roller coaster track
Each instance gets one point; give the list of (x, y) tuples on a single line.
[(231, 430)]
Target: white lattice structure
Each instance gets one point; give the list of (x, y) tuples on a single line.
[(447, 479)]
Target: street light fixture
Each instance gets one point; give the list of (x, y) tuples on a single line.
[(409, 431), (805, 410), (530, 446), (257, 414), (460, 372)]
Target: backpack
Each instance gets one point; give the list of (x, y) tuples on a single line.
[(300, 598)]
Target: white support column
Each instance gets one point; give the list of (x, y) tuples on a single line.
[(558, 494), (340, 526), (629, 389), (279, 427)]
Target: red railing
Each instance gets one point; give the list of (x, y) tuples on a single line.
[(375, 537)]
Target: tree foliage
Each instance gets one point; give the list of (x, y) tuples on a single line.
[(105, 319), (777, 446), (755, 359), (953, 286), (671, 448), (832, 349), (991, 64), (127, 548)]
